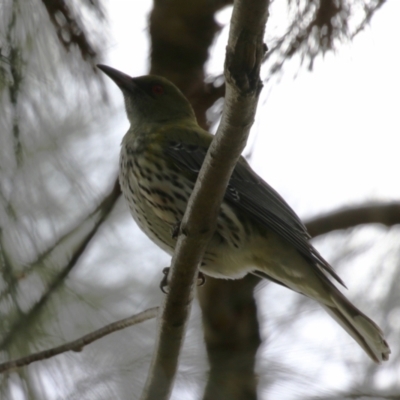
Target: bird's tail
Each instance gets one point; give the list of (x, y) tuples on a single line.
[(365, 332)]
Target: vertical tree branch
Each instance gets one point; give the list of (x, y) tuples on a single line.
[(182, 33), (232, 338)]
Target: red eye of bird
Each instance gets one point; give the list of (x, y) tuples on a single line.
[(157, 89)]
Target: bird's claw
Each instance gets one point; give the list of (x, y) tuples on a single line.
[(164, 280), (201, 279), (175, 230)]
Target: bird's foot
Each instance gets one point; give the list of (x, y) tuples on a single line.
[(175, 230), (164, 280), (201, 280)]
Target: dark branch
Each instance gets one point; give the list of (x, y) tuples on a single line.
[(232, 337), (181, 34), (386, 214)]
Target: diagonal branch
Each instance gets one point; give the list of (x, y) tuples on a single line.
[(104, 208), (94, 220), (386, 214), (78, 344), (245, 51)]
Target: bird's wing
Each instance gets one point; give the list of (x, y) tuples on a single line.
[(252, 195)]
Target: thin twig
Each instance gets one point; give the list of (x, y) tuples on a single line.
[(78, 344)]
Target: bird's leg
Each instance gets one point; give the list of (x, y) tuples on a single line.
[(175, 230), (201, 279)]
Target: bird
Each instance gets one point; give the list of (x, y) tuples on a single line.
[(256, 232)]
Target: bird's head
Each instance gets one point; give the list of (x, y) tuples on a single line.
[(150, 98)]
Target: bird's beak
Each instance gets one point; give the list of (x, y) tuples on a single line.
[(123, 81)]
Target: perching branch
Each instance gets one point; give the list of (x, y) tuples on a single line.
[(78, 344), (386, 214), (245, 51)]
